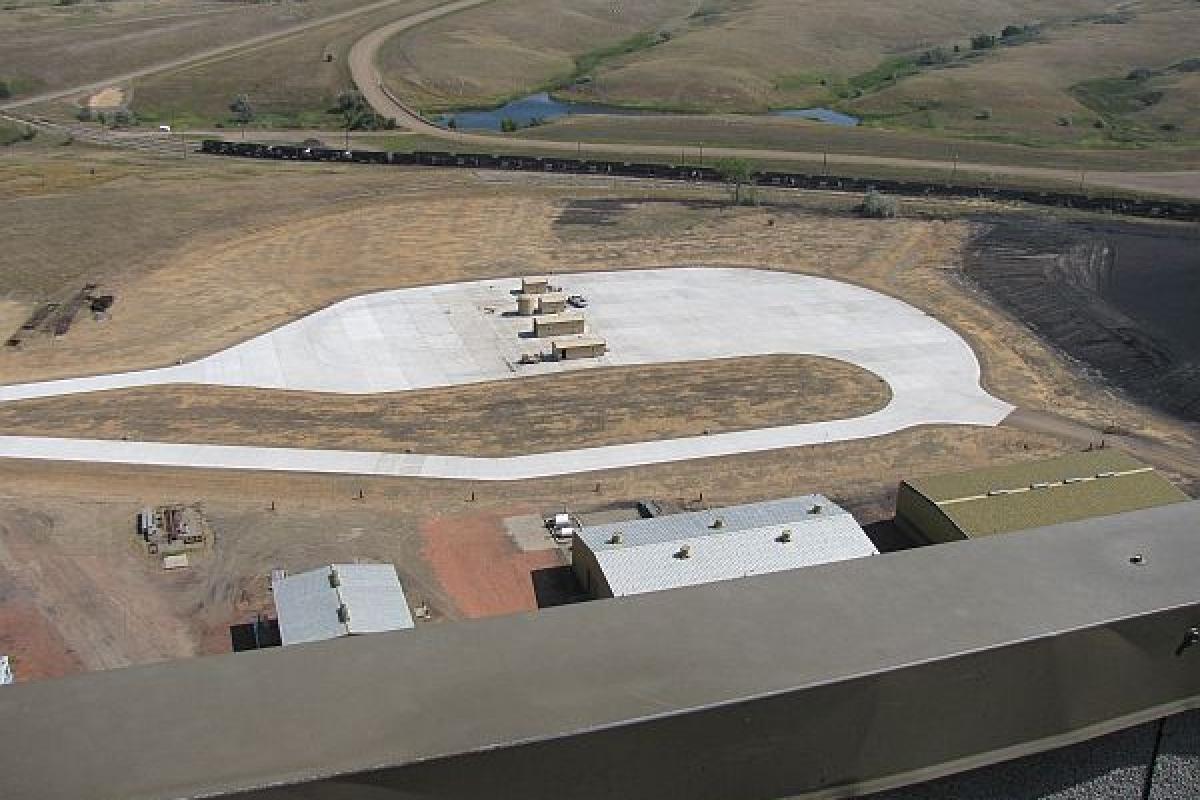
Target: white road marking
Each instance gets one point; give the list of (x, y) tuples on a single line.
[(440, 336)]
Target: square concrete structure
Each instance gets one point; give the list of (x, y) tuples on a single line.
[(578, 347), (565, 324), (535, 284), (552, 303), (965, 505), (340, 600), (676, 550)]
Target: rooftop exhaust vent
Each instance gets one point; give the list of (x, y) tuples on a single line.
[(684, 552), (717, 523), (335, 580), (343, 614), (816, 509), (784, 537), (616, 538)]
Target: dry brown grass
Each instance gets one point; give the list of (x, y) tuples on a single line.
[(54, 48), (507, 47), (724, 54), (536, 414), (1026, 88), (288, 83)]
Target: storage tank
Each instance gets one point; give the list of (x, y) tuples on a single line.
[(526, 304)]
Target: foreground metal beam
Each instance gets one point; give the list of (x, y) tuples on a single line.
[(817, 683)]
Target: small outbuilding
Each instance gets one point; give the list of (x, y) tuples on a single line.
[(535, 284), (340, 600), (578, 347), (566, 324), (527, 305), (1032, 494), (677, 550)]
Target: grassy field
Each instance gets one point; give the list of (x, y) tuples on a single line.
[(537, 414), (289, 83), (57, 47), (482, 56), (910, 67)]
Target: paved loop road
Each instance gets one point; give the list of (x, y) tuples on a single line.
[(445, 335)]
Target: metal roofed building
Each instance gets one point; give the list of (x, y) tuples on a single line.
[(1032, 494), (340, 600), (669, 552)]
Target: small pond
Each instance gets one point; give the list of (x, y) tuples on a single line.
[(541, 106)]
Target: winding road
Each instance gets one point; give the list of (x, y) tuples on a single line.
[(446, 335)]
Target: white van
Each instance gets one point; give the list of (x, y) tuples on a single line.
[(165, 128)]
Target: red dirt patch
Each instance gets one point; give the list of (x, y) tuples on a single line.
[(480, 567), (35, 649)]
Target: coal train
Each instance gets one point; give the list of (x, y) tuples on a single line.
[(1137, 207)]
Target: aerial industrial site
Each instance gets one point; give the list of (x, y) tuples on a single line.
[(563, 399)]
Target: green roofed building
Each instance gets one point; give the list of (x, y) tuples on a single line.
[(966, 505)]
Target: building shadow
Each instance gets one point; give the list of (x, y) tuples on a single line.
[(888, 538), (262, 632), (556, 586)]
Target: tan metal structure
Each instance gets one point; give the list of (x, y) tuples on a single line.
[(566, 324), (578, 347)]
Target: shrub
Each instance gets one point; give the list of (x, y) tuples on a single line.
[(5, 89), (508, 125), (937, 55), (983, 113), (85, 114), (983, 41), (879, 206)]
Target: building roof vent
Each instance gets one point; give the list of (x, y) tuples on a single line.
[(684, 552), (335, 580), (343, 614), (784, 537), (717, 523), (816, 509), (617, 538)]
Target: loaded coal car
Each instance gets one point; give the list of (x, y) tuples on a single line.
[(368, 156), (400, 159)]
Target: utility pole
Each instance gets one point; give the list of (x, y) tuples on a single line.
[(954, 170), (1082, 178), (825, 163), (702, 154)]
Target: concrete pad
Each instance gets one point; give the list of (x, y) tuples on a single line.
[(442, 336)]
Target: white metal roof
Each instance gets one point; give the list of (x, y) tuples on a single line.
[(750, 541), (308, 603), (6, 675)]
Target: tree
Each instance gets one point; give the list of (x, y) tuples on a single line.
[(508, 125), (736, 172), (242, 110), (5, 89), (879, 206), (85, 114)]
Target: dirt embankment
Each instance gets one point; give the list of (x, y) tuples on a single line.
[(1071, 283)]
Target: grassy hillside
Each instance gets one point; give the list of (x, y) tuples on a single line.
[(51, 47), (1021, 71), (289, 83), (509, 47)]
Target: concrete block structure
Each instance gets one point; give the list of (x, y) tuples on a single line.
[(565, 324), (676, 550), (340, 600), (578, 347), (535, 284), (966, 505), (552, 303)]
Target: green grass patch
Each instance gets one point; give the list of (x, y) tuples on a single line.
[(1109, 96), (884, 74), (587, 62), (11, 133)]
